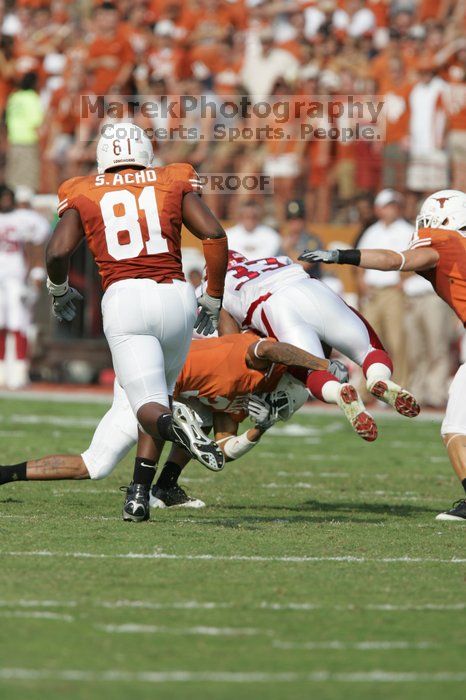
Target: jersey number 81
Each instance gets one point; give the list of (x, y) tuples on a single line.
[(129, 221)]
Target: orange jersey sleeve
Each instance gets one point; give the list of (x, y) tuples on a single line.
[(448, 278), (132, 220), (216, 372)]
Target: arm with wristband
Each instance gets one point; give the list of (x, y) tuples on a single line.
[(202, 223), (414, 260)]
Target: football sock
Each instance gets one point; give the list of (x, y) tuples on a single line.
[(21, 345), (144, 471), (331, 391), (13, 472), (377, 365), (2, 343), (169, 475), (165, 427), (316, 381), (464, 484)]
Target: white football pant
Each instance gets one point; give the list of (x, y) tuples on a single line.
[(14, 314), (455, 416), (148, 328), (307, 313), (117, 433)]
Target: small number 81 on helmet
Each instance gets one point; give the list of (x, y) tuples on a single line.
[(122, 144)]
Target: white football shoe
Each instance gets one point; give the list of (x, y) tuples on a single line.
[(390, 393), (188, 430), (173, 497), (352, 406), (457, 512)]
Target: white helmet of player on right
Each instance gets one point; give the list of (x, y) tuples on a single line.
[(121, 144), (445, 209)]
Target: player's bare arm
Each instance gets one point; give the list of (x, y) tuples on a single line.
[(417, 260), (262, 354), (202, 223), (227, 324), (67, 236), (265, 352)]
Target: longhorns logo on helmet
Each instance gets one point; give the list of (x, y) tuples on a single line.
[(445, 209), (123, 143), (441, 200)]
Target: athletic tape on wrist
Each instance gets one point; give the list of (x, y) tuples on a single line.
[(236, 446), (57, 290)]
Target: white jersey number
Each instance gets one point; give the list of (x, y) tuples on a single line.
[(252, 269), (128, 222)]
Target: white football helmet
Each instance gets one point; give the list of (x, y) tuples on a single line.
[(287, 398), (445, 209), (123, 144)]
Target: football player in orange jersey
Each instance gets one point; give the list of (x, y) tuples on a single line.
[(131, 215), (218, 380), (438, 253)]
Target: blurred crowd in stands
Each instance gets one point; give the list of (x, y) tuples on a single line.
[(412, 53)]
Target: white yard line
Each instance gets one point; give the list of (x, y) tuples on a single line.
[(182, 605), (336, 645), (228, 605), (78, 675), (62, 421), (197, 631), (236, 557), (38, 615), (33, 603)]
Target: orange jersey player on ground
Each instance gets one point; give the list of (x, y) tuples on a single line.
[(224, 371), (218, 382), (438, 253), (131, 215)]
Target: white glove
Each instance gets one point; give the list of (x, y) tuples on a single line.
[(63, 307), (209, 311), (260, 412), (339, 371)]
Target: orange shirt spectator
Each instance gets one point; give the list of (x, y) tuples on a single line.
[(455, 97), (110, 57)]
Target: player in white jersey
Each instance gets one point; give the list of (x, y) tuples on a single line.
[(277, 298), (20, 237)]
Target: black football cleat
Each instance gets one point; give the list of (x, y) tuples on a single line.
[(136, 508), (190, 435), (456, 512), (173, 497)]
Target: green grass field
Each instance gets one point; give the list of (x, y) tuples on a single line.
[(316, 571)]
